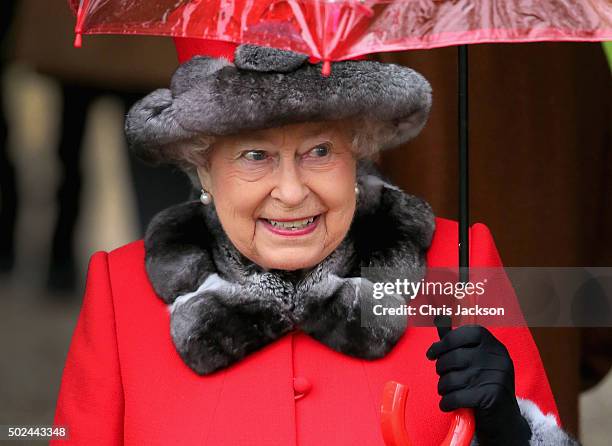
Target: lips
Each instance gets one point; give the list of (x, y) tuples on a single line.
[(292, 224), (291, 227)]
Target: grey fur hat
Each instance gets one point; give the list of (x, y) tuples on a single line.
[(267, 88)]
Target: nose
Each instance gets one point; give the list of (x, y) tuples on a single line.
[(289, 188)]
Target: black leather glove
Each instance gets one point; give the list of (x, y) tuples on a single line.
[(476, 371)]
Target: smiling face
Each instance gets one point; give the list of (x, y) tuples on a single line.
[(285, 196)]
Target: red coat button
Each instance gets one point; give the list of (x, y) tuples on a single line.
[(301, 386)]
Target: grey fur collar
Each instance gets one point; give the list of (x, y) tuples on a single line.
[(223, 306)]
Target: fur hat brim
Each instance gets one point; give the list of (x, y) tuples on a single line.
[(267, 88)]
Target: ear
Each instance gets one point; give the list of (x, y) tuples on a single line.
[(205, 179)]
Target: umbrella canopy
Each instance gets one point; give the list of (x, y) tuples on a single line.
[(332, 30)]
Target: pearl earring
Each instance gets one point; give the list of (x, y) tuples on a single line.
[(356, 190), (205, 197)]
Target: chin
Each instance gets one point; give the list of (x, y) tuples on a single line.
[(291, 262)]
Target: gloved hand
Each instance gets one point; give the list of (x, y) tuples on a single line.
[(476, 371)]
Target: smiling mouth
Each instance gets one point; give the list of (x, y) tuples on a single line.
[(301, 226), (292, 225)]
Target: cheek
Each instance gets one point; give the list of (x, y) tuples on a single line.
[(340, 213), (236, 205), (338, 196)]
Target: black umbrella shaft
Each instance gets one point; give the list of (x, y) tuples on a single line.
[(464, 215)]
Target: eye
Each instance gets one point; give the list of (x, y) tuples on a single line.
[(255, 155), (320, 151)]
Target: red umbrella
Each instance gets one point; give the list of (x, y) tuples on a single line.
[(334, 30)]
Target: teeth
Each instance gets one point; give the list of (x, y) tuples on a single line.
[(292, 225)]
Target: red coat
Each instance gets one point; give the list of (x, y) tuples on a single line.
[(124, 382)]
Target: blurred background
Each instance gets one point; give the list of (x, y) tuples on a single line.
[(541, 179)]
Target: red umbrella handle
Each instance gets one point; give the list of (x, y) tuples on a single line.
[(395, 396), (461, 430), (393, 410)]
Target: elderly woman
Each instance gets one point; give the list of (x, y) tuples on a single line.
[(239, 320)]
